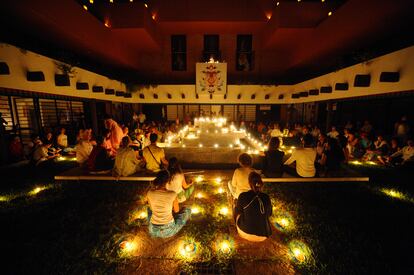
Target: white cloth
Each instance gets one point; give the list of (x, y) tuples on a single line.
[(153, 160), (176, 183), (240, 181), (83, 150), (62, 140), (305, 161), (161, 204), (407, 153), (126, 162)]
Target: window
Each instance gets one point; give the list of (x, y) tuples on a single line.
[(211, 47), (178, 53), (244, 53)]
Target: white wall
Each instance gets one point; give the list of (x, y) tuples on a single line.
[(19, 63)]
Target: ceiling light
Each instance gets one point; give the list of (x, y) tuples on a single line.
[(131, 1), (146, 5), (153, 17), (299, 0), (91, 1), (277, 3), (322, 1), (107, 24), (111, 1), (329, 13), (85, 7)]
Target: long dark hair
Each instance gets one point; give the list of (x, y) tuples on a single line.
[(161, 179), (274, 143), (255, 181), (174, 166)]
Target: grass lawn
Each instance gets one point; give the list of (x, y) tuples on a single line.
[(72, 228)]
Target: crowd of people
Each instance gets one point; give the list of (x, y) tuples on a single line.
[(125, 152)]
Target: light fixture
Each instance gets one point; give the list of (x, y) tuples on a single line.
[(111, 1), (224, 211), (187, 249), (224, 246), (85, 7), (195, 210), (146, 5), (128, 246), (91, 1), (329, 13), (277, 3), (153, 17)]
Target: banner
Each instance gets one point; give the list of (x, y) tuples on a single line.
[(211, 78)]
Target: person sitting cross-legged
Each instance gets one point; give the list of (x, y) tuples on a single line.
[(99, 161), (177, 181), (240, 181), (154, 156), (304, 158), (252, 211), (127, 160), (164, 215), (273, 159)]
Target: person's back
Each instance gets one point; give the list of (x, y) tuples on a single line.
[(240, 180), (154, 156), (273, 164), (83, 150), (161, 202), (126, 162), (253, 210), (304, 158), (99, 159)]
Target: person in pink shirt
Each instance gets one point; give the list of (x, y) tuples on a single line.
[(116, 132)]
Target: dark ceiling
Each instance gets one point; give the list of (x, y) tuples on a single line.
[(130, 40)]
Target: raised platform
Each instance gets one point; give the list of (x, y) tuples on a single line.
[(79, 174)]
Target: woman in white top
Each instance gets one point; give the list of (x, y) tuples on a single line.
[(127, 160), (62, 139), (240, 180), (177, 182), (164, 215)]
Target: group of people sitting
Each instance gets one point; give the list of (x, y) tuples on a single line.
[(251, 207)]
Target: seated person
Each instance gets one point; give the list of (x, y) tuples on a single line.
[(304, 158), (177, 181), (127, 160), (273, 159), (62, 139), (380, 148), (83, 150), (107, 143), (393, 148), (252, 212), (41, 154), (405, 156), (154, 156), (332, 156), (240, 181), (162, 204), (16, 152), (99, 160)]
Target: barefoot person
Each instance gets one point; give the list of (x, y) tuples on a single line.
[(252, 212), (165, 217)]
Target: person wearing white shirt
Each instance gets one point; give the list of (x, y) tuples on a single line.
[(177, 182), (405, 155), (304, 158), (333, 133), (240, 180), (62, 139)]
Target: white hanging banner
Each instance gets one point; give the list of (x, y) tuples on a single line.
[(211, 78)]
